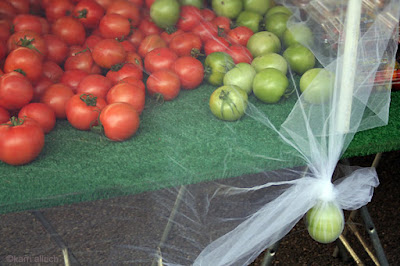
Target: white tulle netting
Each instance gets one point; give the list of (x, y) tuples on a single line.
[(230, 222)]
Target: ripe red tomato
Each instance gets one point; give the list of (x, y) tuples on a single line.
[(27, 22), (158, 59), (126, 9), (73, 77), (25, 61), (120, 121), (186, 44), (217, 44), (89, 12), (7, 10), (5, 29), (56, 97), (163, 83), (223, 24), (134, 58), (239, 54), (55, 9), (94, 84), (136, 37), (57, 49), (21, 6), (150, 42), (108, 52), (167, 35), (205, 30), (41, 113), (29, 39), (190, 72), (39, 88), (15, 91), (79, 58), (82, 110), (127, 93), (136, 82), (239, 35), (148, 27), (4, 115), (70, 30), (114, 26), (208, 14), (92, 40), (21, 141), (189, 17), (53, 71), (121, 71)]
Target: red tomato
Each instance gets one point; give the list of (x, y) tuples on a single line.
[(128, 46), (39, 88), (57, 49), (73, 77), (149, 3), (29, 39), (83, 110), (120, 121), (3, 51), (70, 30), (89, 12), (114, 26), (208, 14), (134, 58), (94, 84), (126, 9), (7, 10), (53, 71), (138, 3), (108, 52), (164, 83), (104, 3), (41, 113), (158, 59), (15, 91), (217, 44), (4, 115), (205, 30), (190, 72), (167, 36), (136, 82), (118, 72), (21, 6), (56, 9), (5, 29), (136, 37), (27, 22), (148, 27), (21, 141), (239, 35), (56, 97), (45, 25), (222, 23), (127, 93), (189, 17), (25, 61), (239, 54), (186, 44), (80, 58), (150, 42), (92, 40)]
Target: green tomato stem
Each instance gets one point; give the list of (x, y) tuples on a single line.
[(89, 99)]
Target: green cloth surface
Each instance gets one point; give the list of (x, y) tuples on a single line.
[(178, 142)]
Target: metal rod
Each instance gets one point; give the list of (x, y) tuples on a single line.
[(363, 243), (350, 250), (270, 254)]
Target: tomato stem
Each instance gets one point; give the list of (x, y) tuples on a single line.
[(82, 13), (25, 42), (116, 67), (89, 99), (19, 70), (16, 121)]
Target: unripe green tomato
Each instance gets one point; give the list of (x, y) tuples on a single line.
[(216, 65), (299, 58), (165, 13), (276, 23), (263, 42), (228, 102), (241, 75), (249, 19), (271, 60), (325, 222), (196, 3), (297, 33), (258, 6), (269, 85), (278, 9), (227, 8), (316, 85)]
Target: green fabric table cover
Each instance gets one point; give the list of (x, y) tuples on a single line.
[(178, 142)]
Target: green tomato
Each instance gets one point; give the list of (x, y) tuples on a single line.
[(216, 65), (196, 3), (249, 19), (276, 23), (228, 102), (316, 85), (297, 33), (241, 75), (227, 8), (271, 60), (278, 9), (325, 222), (263, 42), (269, 85), (299, 58), (165, 13), (258, 6)]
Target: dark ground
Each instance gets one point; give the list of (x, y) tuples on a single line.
[(23, 238)]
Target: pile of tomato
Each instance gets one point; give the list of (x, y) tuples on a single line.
[(94, 62)]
